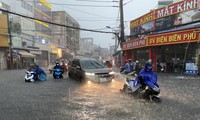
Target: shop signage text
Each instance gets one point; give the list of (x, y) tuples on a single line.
[(176, 8), (173, 38), (141, 20), (134, 44)]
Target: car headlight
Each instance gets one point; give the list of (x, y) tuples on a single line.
[(111, 73), (89, 74)]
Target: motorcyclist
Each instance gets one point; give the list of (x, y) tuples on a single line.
[(127, 67), (57, 66), (63, 64), (39, 73), (131, 65), (137, 67), (147, 77)]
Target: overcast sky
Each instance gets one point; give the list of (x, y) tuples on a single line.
[(98, 17)]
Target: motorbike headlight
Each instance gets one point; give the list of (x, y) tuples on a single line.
[(89, 74)]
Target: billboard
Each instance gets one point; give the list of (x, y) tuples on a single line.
[(177, 19), (171, 16), (147, 27), (142, 24)]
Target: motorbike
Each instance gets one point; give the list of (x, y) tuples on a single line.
[(144, 90), (29, 77), (57, 73)]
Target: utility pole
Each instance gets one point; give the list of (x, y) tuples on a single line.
[(121, 40), (121, 22), (10, 42)]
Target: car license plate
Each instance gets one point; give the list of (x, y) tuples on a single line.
[(103, 79)]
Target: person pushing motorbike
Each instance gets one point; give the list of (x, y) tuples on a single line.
[(147, 77), (39, 73)]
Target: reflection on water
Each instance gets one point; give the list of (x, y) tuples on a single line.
[(103, 101)]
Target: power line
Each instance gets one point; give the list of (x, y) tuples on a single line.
[(89, 13), (83, 29), (97, 1), (128, 2), (84, 5), (75, 4)]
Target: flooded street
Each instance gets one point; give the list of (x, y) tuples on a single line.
[(71, 100), (104, 101)]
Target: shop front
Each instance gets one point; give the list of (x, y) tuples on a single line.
[(174, 57), (172, 50)]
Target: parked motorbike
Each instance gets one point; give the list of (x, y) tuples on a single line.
[(29, 76), (142, 89), (58, 73)]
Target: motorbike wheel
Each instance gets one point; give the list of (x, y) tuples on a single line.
[(155, 99), (70, 75), (125, 89)]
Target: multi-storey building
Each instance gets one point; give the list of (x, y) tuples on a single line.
[(66, 39), (21, 32), (86, 46), (42, 11), (3, 36)]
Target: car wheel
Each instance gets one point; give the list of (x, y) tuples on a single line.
[(70, 75)]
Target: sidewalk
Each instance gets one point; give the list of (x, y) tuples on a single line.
[(171, 75)]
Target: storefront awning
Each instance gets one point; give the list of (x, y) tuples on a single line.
[(26, 54), (35, 52)]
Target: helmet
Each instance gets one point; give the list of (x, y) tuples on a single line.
[(57, 63), (36, 65), (129, 60), (148, 66)]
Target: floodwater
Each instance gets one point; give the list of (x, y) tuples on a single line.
[(103, 101), (68, 99)]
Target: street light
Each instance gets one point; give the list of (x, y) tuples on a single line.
[(116, 33)]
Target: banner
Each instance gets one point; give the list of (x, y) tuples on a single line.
[(147, 27), (141, 20), (177, 19), (191, 68), (176, 8), (173, 38), (134, 44)]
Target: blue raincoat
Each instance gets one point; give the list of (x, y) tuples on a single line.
[(149, 78), (40, 74)]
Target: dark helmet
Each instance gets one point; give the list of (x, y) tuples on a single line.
[(57, 63), (148, 66), (36, 65)]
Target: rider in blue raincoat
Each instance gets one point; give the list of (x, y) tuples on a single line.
[(39, 73), (146, 77)]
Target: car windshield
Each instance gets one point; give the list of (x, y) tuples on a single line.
[(91, 64)]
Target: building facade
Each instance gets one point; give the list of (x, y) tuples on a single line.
[(168, 36), (21, 34), (42, 11), (86, 46), (65, 37)]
